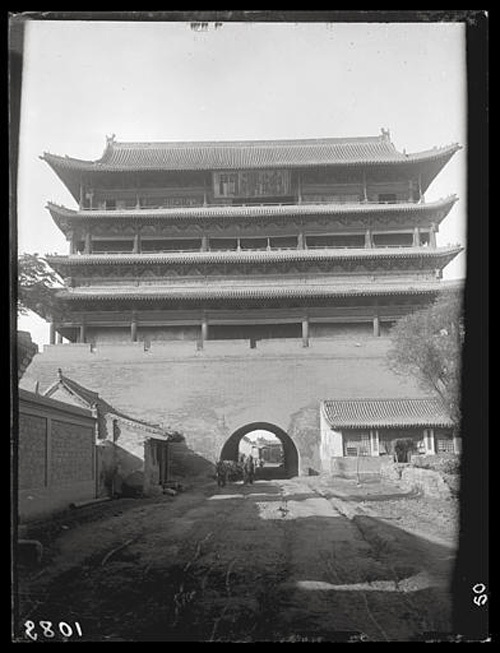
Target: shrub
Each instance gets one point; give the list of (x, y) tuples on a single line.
[(443, 463), (451, 466)]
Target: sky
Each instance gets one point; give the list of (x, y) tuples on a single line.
[(83, 80)]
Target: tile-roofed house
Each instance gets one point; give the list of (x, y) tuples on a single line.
[(384, 413), (132, 453), (370, 427)]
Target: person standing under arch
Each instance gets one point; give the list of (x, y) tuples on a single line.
[(249, 470)]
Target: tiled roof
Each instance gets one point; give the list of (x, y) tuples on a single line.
[(385, 413), (228, 212), (258, 256), (92, 398), (291, 288), (222, 155)]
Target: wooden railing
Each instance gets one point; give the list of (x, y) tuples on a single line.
[(258, 249), (305, 201)]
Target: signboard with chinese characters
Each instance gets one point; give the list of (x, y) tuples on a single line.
[(252, 183)]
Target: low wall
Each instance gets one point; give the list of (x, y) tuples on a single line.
[(55, 454), (429, 482), (363, 466)]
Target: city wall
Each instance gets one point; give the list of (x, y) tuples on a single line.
[(208, 394)]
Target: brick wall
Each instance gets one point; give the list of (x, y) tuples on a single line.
[(209, 394), (32, 451), (72, 456), (55, 455)]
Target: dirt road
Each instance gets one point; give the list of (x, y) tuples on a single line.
[(275, 561)]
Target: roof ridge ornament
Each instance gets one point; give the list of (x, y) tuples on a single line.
[(386, 134), (110, 140)]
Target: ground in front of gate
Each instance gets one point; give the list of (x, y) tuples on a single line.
[(306, 559)]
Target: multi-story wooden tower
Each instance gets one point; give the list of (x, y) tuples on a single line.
[(247, 240)]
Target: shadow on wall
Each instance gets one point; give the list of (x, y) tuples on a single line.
[(120, 472), (185, 463)]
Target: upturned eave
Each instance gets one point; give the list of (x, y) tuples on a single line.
[(65, 218)]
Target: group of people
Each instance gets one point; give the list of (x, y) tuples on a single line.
[(246, 464)]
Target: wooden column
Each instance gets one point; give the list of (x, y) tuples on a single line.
[(133, 328), (204, 331), (416, 237), (80, 200), (421, 197), (299, 188), (59, 338), (432, 444), (82, 334), (432, 235), (374, 442), (52, 333), (376, 326), (301, 241), (204, 243), (365, 189), (368, 239), (137, 243), (72, 244), (88, 243), (305, 332)]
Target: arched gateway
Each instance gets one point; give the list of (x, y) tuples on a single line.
[(291, 455)]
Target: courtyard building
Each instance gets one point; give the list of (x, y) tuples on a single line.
[(132, 455), (372, 427)]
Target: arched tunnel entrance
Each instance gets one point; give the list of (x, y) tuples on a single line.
[(290, 462)]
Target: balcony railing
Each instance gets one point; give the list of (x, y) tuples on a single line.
[(314, 202), (256, 249)]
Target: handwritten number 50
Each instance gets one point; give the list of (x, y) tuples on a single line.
[(481, 597)]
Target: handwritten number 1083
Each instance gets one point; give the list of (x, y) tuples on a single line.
[(47, 629)]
